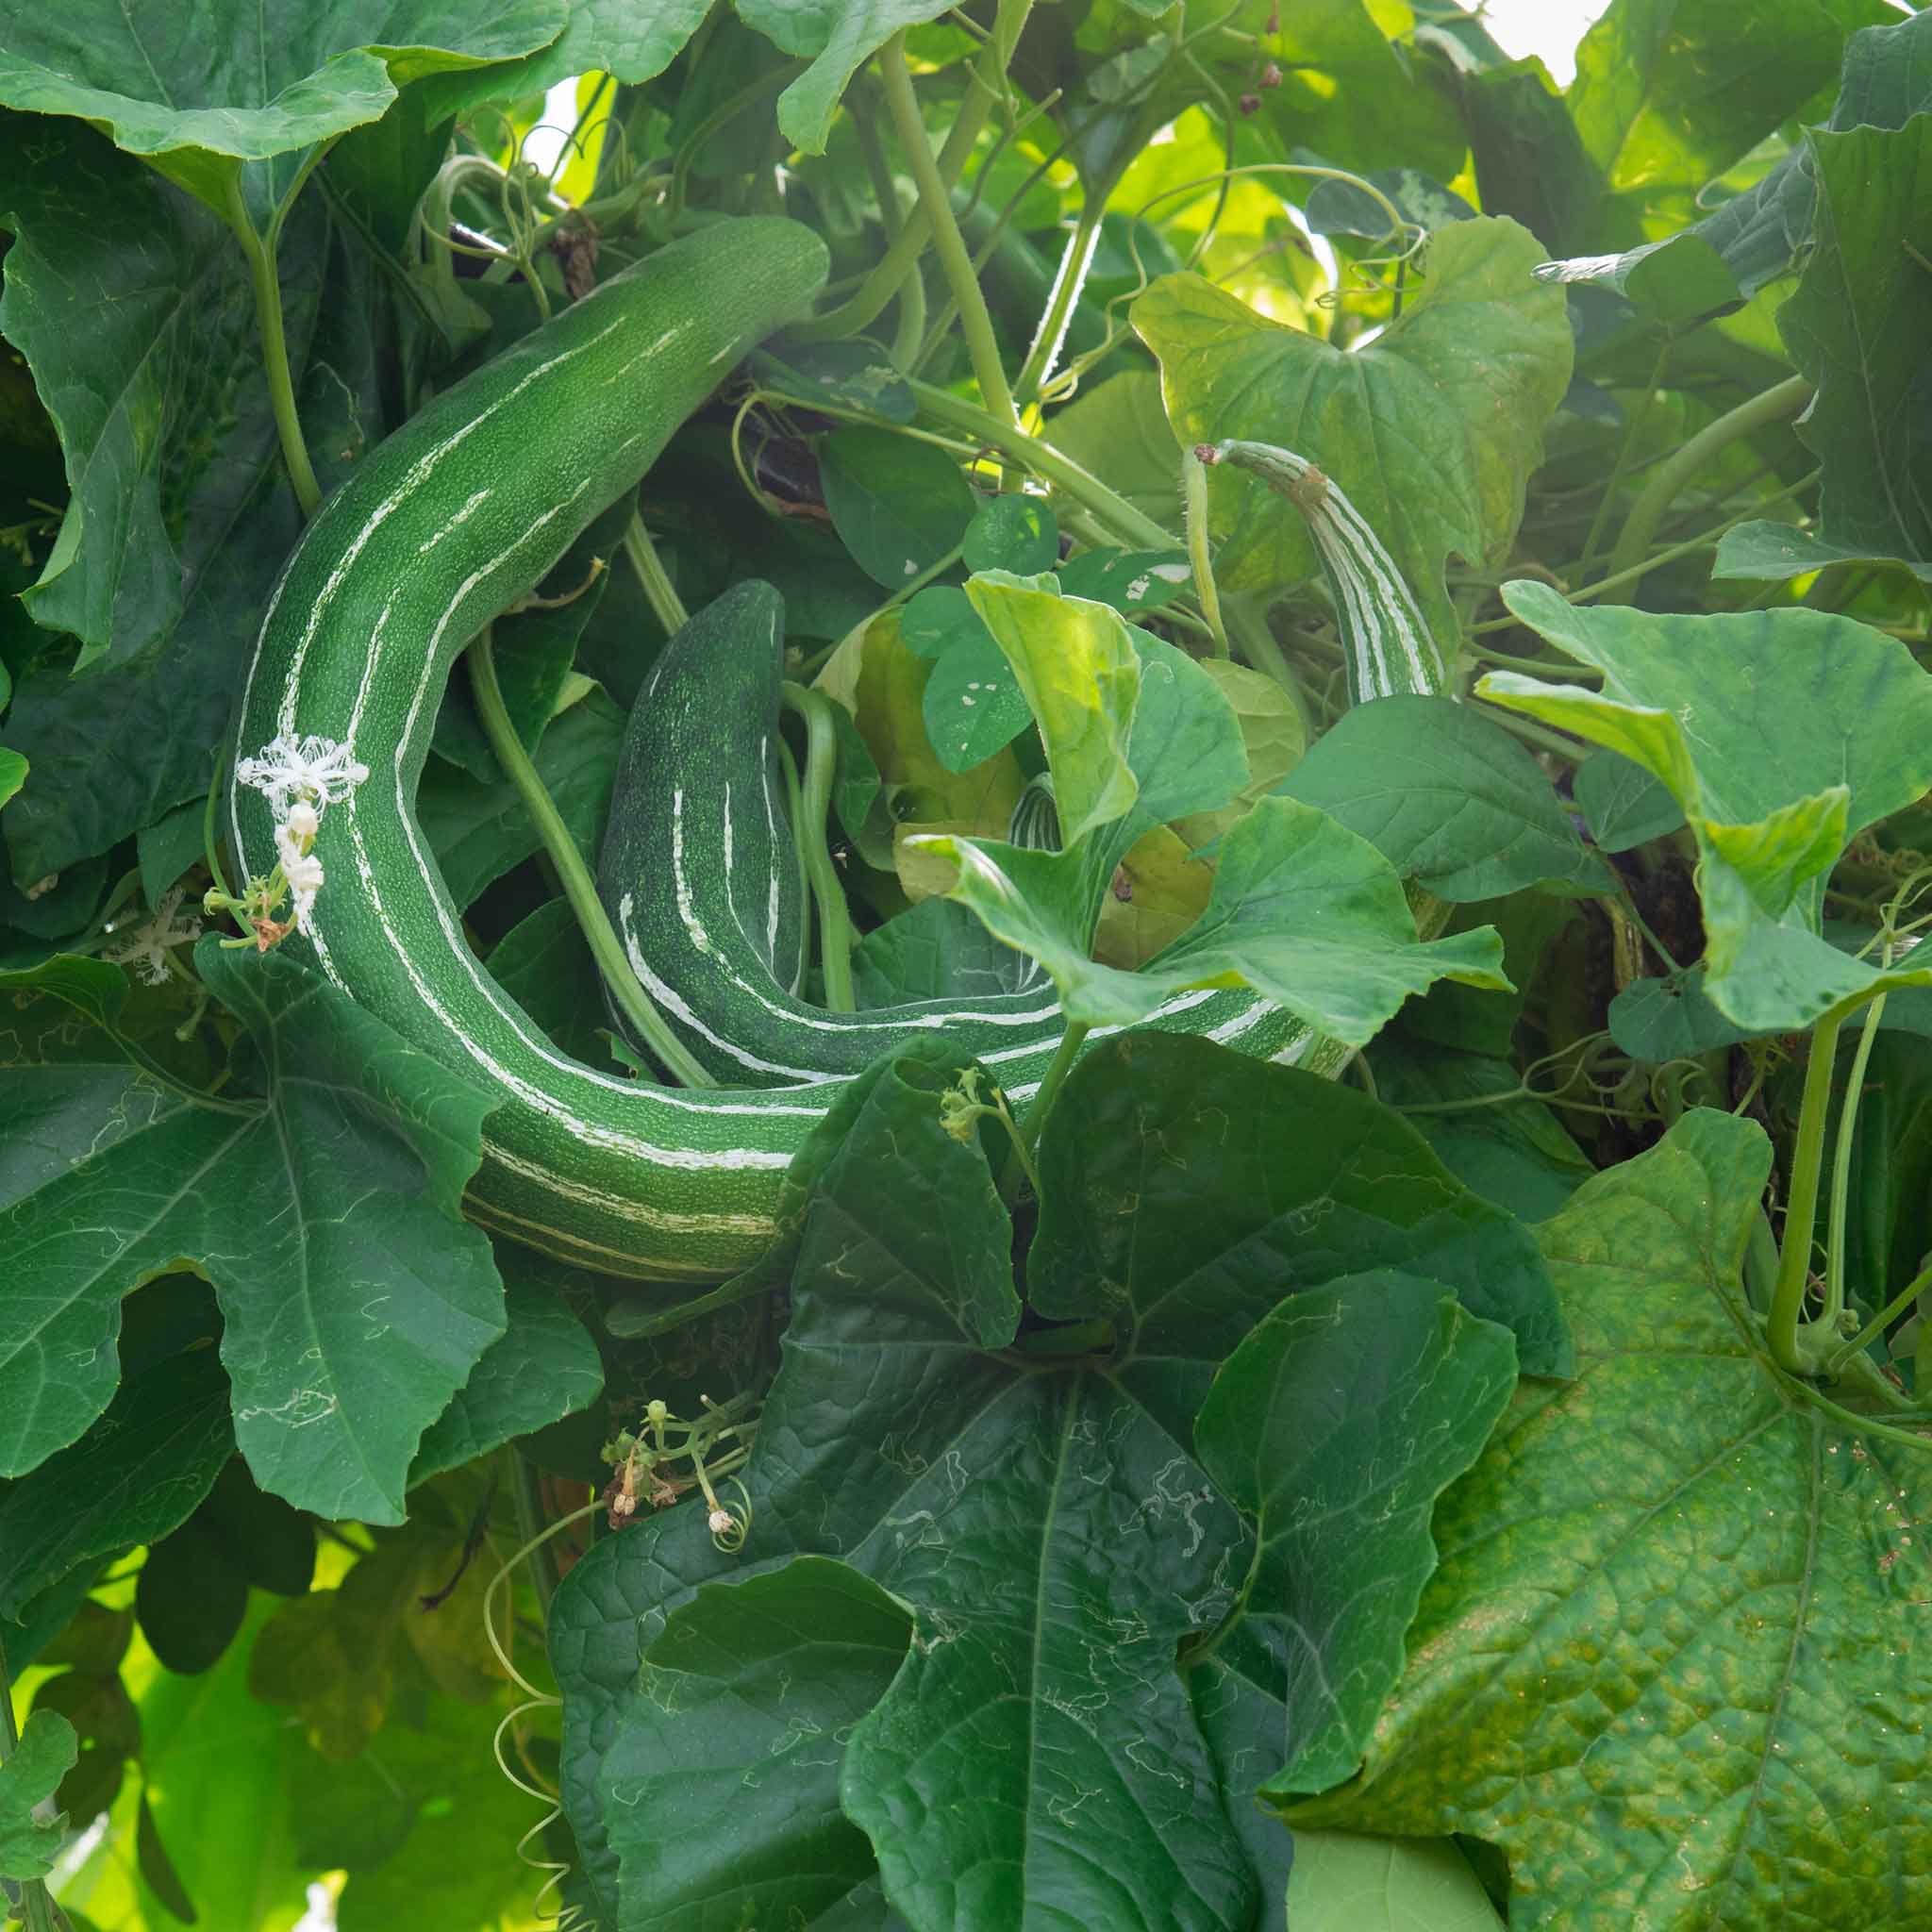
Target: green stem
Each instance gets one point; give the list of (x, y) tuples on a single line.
[(795, 815), (1057, 1069), (579, 888), (1625, 450), (1200, 553), (1068, 281), (902, 257), (1841, 1165), (982, 346), (275, 349), (210, 854), (36, 1906), (814, 710), (1801, 1206), (1128, 525), (654, 581), (1884, 1318), (1778, 403)]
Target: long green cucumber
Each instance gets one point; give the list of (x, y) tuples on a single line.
[(466, 508), (698, 876)]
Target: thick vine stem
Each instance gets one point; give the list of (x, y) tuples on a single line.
[(1778, 403), (667, 607), (579, 888), (1200, 548), (1792, 1344), (1071, 1041), (982, 346), (1127, 524), (275, 347), (1075, 259), (834, 924)]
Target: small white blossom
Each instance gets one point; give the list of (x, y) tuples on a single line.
[(303, 872), (147, 945), (304, 820), (289, 849), (723, 1523), (316, 770)]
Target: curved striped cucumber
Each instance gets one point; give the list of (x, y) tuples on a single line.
[(1388, 645), (698, 874), (459, 512)]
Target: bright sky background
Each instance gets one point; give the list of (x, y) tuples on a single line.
[(1549, 28)]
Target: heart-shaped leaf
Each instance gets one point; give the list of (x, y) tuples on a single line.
[(1303, 909), (1782, 734), (1432, 430)]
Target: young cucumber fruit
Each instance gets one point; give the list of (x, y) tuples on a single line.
[(1388, 646), (700, 878)]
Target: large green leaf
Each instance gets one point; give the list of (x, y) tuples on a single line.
[(1529, 159), (1158, 1219), (96, 1499), (1302, 908), (837, 39), (749, 1688), (897, 1438), (30, 1776), (1782, 734), (1446, 796), (1857, 328), (898, 506), (1670, 92), (1432, 430), (133, 310), (1342, 1883), (355, 1298), (1667, 1651), (1758, 234), (1081, 676), (543, 1367), (1335, 1425), (241, 101), (619, 38)]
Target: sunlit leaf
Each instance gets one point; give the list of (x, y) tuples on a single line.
[(1432, 430)]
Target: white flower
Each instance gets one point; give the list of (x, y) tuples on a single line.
[(303, 821), (147, 945), (315, 770), (723, 1523), (303, 872)]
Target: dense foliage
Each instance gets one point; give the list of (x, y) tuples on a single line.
[(1440, 1448)]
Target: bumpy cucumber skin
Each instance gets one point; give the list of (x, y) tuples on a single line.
[(448, 520)]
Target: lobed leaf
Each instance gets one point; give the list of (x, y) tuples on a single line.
[(1301, 909), (355, 1300), (1661, 1662), (1781, 734)]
